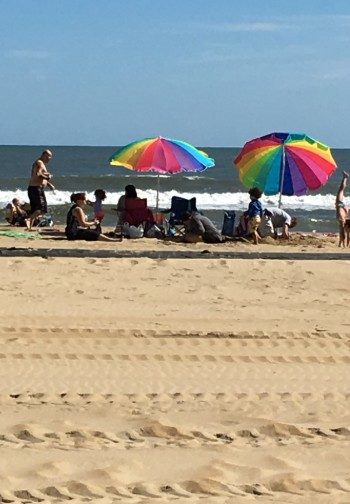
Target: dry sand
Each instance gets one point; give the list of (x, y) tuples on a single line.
[(142, 380)]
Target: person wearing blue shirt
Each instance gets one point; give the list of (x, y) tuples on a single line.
[(255, 212)]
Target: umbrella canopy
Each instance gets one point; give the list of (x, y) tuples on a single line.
[(161, 155), (285, 163)]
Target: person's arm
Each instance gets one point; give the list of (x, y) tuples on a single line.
[(285, 232), (41, 171), (121, 204), (20, 210), (81, 218)]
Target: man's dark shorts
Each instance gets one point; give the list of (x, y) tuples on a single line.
[(37, 199)]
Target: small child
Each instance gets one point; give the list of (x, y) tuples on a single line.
[(100, 196), (255, 212)]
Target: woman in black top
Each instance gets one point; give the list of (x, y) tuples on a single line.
[(78, 227)]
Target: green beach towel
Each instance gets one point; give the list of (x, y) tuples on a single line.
[(29, 235)]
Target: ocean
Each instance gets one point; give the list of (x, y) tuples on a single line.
[(216, 189)]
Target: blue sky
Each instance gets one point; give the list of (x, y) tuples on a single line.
[(211, 72)]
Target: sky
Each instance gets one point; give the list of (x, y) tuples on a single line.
[(210, 72)]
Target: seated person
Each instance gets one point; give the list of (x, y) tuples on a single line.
[(130, 192), (198, 227), (16, 212), (280, 220), (78, 226), (255, 212), (133, 210)]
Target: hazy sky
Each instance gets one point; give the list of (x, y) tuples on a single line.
[(211, 72)]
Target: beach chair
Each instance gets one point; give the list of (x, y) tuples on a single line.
[(136, 212), (175, 225)]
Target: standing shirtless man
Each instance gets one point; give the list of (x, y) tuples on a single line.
[(40, 178)]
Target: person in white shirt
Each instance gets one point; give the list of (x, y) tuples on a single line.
[(280, 220)]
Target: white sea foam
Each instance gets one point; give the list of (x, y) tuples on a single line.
[(205, 201)]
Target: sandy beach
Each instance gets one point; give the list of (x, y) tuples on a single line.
[(143, 380)]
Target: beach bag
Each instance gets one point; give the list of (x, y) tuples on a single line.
[(45, 221), (228, 226), (153, 232), (133, 231)]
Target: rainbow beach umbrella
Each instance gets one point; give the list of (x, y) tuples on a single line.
[(285, 163), (161, 155)]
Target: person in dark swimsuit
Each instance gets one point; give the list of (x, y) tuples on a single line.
[(78, 227)]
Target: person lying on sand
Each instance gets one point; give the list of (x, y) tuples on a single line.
[(342, 212)]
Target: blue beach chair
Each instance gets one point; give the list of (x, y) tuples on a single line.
[(179, 206)]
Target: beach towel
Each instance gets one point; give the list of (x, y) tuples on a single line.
[(20, 234)]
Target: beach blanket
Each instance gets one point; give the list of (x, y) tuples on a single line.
[(29, 235)]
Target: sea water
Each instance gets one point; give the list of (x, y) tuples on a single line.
[(217, 189)]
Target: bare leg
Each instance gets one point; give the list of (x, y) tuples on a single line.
[(341, 234), (256, 237), (105, 238), (341, 190), (31, 219), (347, 232)]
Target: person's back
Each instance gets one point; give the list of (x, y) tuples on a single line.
[(71, 224), (200, 224), (281, 220), (278, 217), (208, 225)]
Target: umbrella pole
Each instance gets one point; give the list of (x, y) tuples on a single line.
[(282, 177), (157, 198)]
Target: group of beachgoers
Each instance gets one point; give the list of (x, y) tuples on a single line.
[(255, 223)]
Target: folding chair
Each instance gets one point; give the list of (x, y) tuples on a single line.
[(136, 212), (179, 206)]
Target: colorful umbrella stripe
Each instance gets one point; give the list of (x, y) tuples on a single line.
[(161, 155), (285, 162)]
